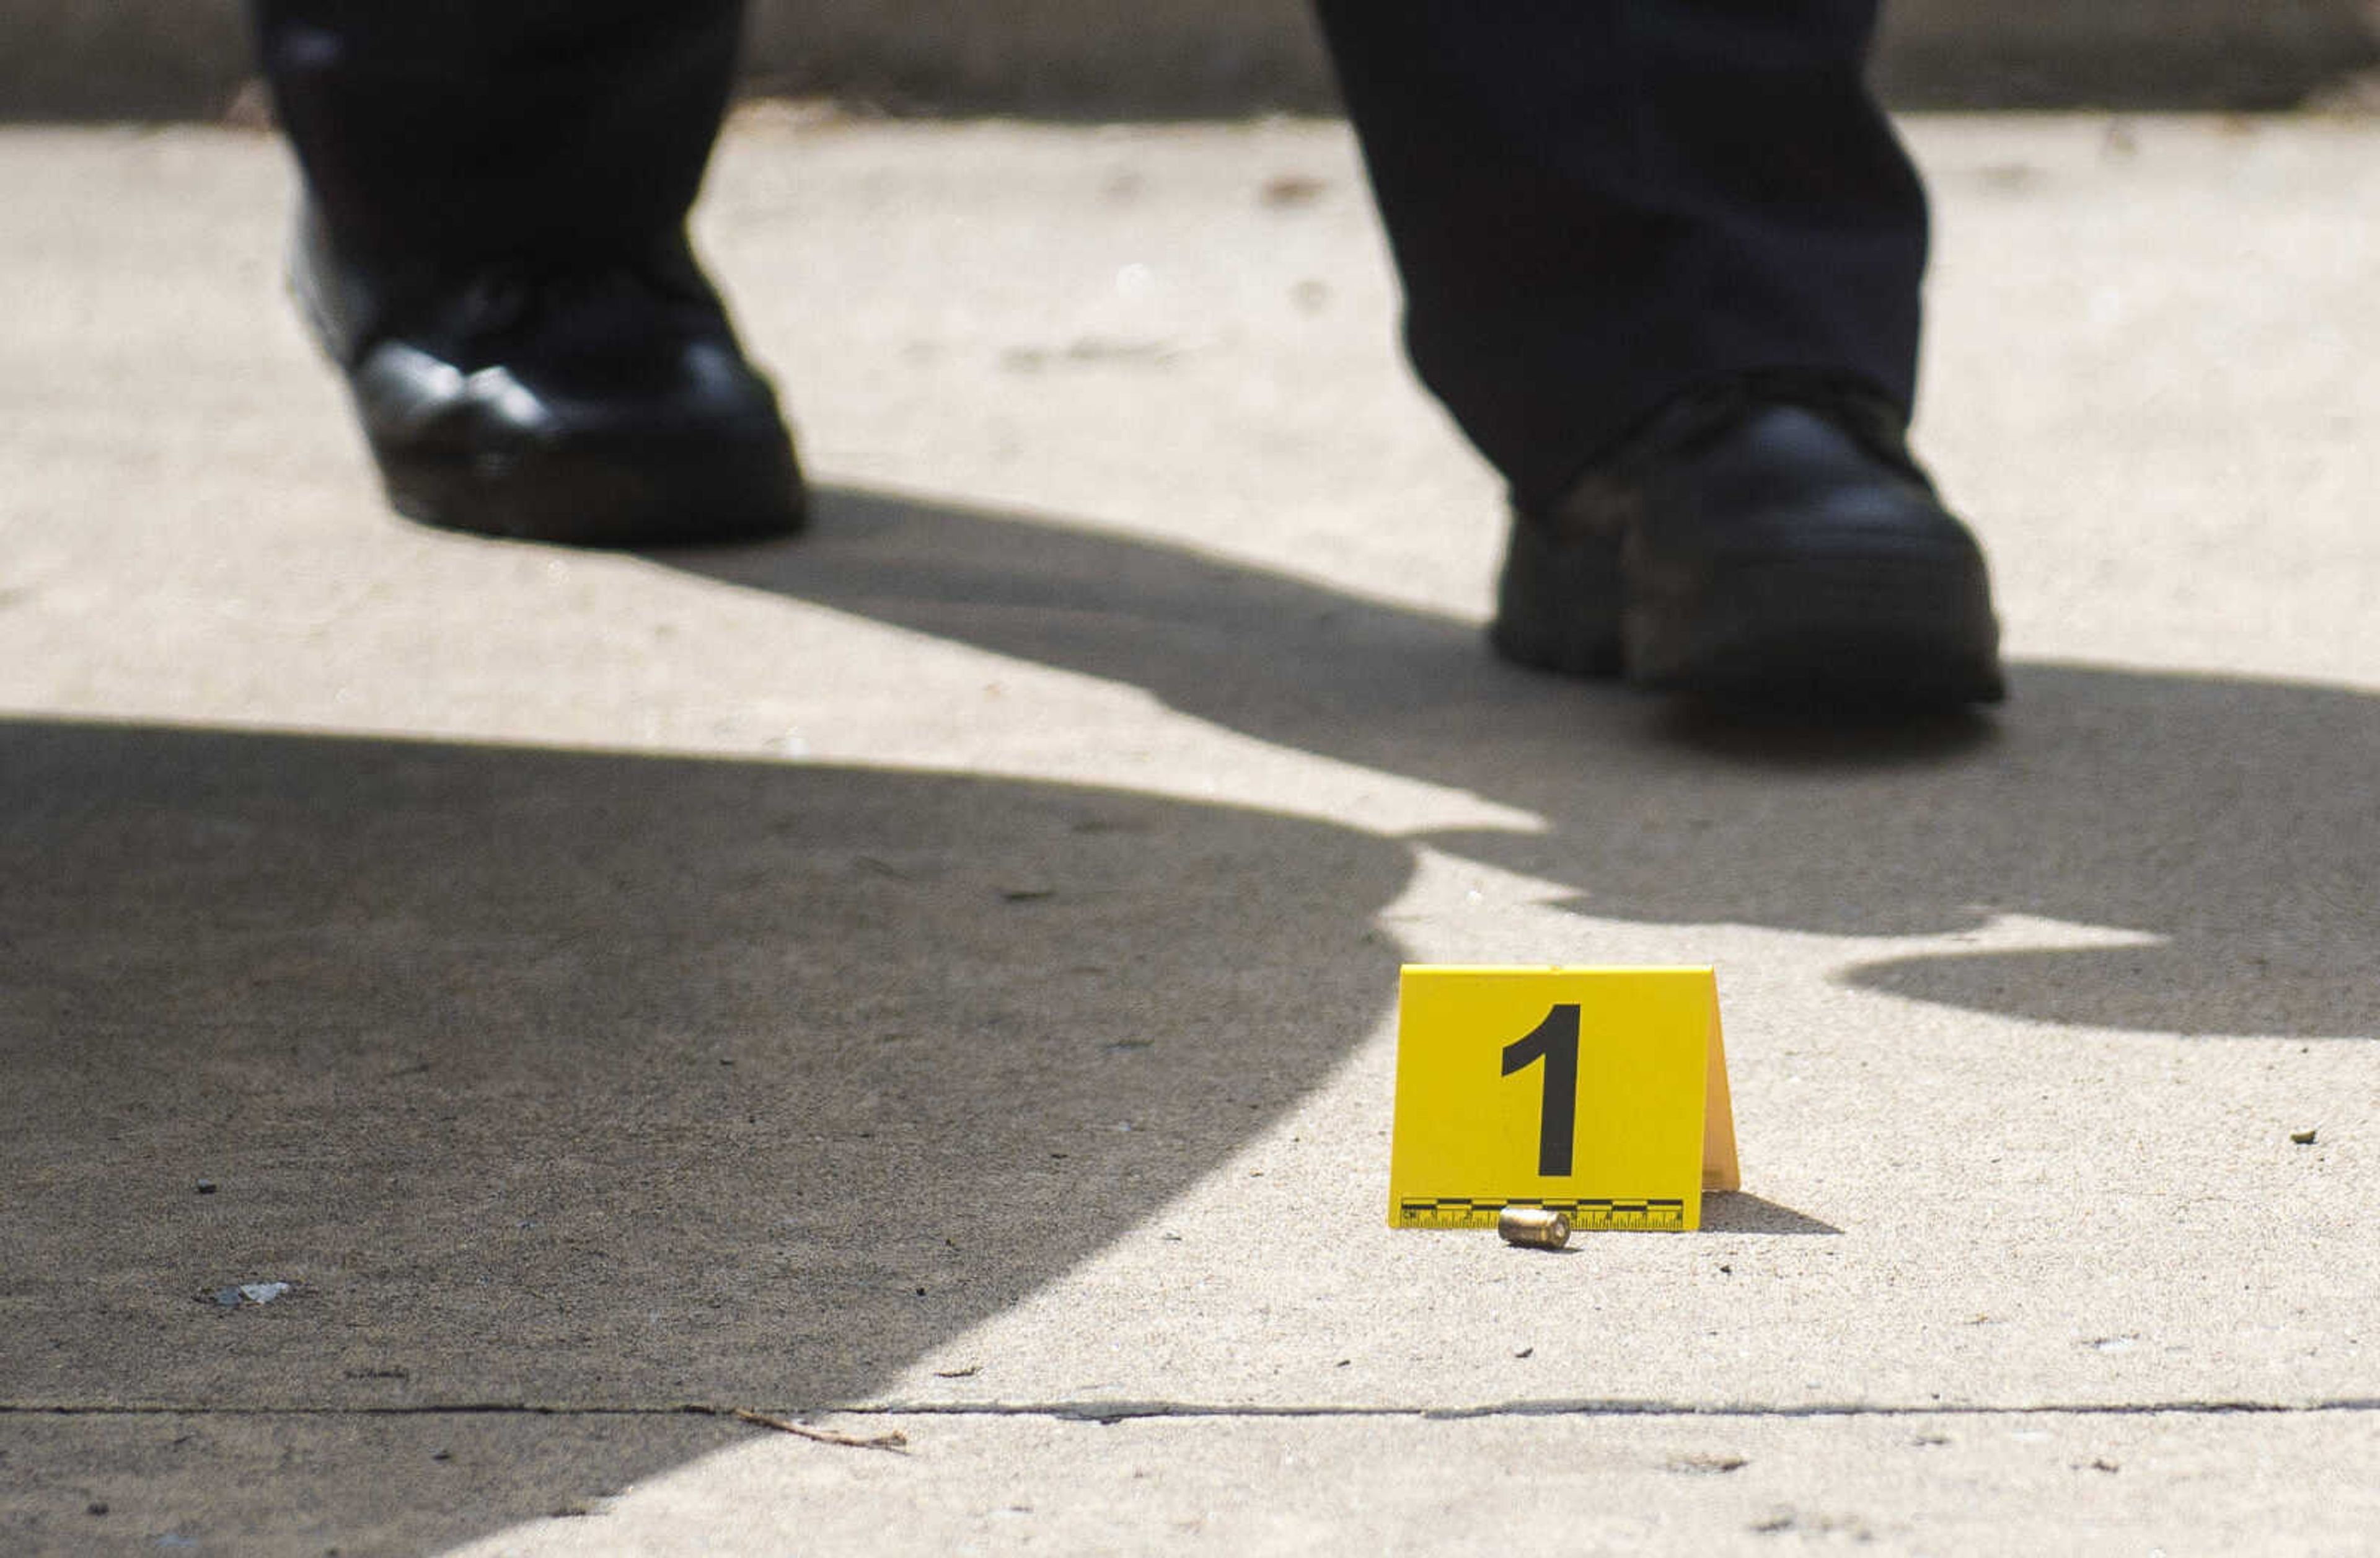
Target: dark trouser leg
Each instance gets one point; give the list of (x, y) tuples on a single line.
[(473, 130), (496, 254), (1597, 203)]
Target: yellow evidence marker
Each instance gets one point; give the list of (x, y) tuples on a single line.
[(1600, 1093)]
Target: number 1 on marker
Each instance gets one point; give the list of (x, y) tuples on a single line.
[(1555, 1041)]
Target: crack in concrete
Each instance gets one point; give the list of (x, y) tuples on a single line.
[(1108, 1412), (1123, 1411)]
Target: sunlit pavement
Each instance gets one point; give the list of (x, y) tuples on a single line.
[(937, 977)]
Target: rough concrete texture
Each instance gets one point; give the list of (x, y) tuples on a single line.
[(188, 58), (1985, 1485), (942, 969), (1988, 1485)]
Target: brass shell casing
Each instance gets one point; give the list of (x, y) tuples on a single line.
[(1534, 1226)]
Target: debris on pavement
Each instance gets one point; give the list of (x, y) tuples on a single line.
[(892, 1440), (1702, 1464), (1287, 189), (244, 1293), (2303, 1138)]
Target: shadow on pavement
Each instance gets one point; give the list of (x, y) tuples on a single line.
[(1733, 1211), (2221, 828), (596, 1080), (583, 1078)]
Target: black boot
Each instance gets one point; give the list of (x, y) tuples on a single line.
[(602, 402), (1770, 541)]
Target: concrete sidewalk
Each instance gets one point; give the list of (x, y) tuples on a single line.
[(181, 60), (937, 977)]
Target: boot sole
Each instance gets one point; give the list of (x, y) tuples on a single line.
[(1845, 633), (723, 489)]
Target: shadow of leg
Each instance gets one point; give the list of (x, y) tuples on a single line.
[(615, 1082)]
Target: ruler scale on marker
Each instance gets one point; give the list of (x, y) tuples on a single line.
[(1600, 1093), (1667, 1215)]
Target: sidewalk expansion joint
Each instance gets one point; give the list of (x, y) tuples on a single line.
[(1109, 1412)]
